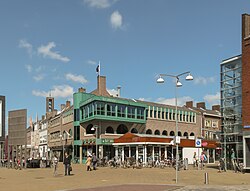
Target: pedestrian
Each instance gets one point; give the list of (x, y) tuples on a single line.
[(203, 158), (221, 165), (55, 164), (94, 160), (233, 160), (88, 163), (195, 161), (66, 163)]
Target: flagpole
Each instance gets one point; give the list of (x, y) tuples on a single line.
[(99, 72)]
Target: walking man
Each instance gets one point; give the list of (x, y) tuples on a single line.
[(94, 159)]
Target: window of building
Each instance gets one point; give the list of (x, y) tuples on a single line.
[(131, 112), (159, 114), (121, 110), (134, 130), (166, 115), (179, 133), (164, 132), (151, 113), (171, 133), (122, 129), (157, 132), (76, 115), (110, 109), (149, 132), (110, 130)]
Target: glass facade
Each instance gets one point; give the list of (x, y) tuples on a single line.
[(231, 106), (114, 110)]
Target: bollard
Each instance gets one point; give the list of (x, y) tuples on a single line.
[(206, 178)]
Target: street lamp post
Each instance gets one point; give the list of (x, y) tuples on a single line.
[(95, 127), (61, 136), (177, 138)]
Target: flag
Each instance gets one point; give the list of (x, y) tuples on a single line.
[(98, 69)]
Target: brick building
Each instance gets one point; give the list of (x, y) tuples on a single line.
[(101, 119), (2, 125)]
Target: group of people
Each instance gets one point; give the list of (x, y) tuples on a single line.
[(66, 162), (91, 160), (202, 160)]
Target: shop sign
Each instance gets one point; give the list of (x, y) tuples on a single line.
[(107, 141), (198, 143)]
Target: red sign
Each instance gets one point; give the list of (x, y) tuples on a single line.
[(204, 144)]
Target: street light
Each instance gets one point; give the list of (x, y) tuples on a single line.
[(178, 84), (61, 136), (94, 128)]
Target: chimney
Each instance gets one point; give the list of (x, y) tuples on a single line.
[(101, 83), (201, 105), (216, 107), (119, 91), (67, 103), (189, 104), (62, 106), (82, 90)]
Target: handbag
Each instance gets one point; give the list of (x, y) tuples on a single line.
[(70, 168)]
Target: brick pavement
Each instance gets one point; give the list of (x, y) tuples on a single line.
[(31, 179)]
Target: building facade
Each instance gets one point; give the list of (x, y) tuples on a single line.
[(100, 120), (2, 126)]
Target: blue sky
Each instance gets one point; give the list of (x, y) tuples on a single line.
[(54, 46)]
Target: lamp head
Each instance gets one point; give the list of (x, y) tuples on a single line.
[(178, 84), (189, 77), (92, 128), (160, 80)]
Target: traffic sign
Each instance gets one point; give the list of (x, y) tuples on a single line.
[(198, 143)]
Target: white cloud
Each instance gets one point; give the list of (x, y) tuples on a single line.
[(28, 67), (204, 80), (64, 91), (100, 4), (76, 78), (24, 44), (45, 51), (91, 62), (212, 99), (171, 101), (39, 69), (38, 77), (116, 20)]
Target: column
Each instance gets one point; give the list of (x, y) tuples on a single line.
[(136, 153), (80, 162), (153, 153), (122, 153), (116, 152), (145, 154), (166, 153), (129, 151)]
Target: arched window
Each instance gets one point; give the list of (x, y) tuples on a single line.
[(149, 132), (89, 129), (70, 132), (134, 130), (165, 133), (122, 129), (157, 132), (171, 133), (192, 134), (110, 130), (185, 134), (179, 133)]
